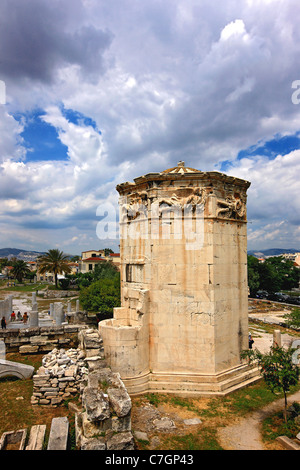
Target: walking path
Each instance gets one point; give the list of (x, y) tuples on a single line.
[(246, 433)]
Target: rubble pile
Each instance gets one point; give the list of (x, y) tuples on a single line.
[(59, 377)]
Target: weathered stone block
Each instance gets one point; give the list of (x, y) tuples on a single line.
[(94, 428), (97, 405), (288, 443), (26, 349), (58, 437), (120, 401), (121, 424), (121, 441), (93, 444), (36, 437)]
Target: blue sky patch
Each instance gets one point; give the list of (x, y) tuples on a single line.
[(40, 138), (78, 118), (271, 149), (277, 146)]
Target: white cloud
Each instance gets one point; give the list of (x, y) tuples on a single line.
[(234, 29), (164, 82), (273, 199)]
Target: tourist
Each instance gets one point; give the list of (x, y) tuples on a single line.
[(25, 317), (13, 316), (251, 341), (3, 323), (19, 316)]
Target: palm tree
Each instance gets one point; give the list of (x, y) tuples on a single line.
[(54, 261), (20, 270)]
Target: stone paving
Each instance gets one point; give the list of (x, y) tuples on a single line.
[(263, 341), (271, 314)]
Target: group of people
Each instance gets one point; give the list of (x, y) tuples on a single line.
[(14, 317), (19, 317)]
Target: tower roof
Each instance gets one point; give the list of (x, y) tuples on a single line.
[(181, 168), (181, 172)]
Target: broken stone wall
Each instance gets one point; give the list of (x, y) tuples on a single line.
[(34, 340), (103, 422)]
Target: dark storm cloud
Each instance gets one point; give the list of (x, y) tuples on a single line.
[(37, 37)]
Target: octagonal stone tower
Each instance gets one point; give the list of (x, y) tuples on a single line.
[(184, 316)]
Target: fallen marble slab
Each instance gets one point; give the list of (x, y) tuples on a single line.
[(15, 369), (36, 438), (58, 438)]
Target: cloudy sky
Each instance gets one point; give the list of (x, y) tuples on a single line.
[(94, 93)]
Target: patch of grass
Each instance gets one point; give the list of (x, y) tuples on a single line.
[(155, 398), (26, 288), (201, 440), (34, 360), (183, 403), (142, 444), (217, 407), (16, 411), (104, 385), (239, 403), (275, 426), (188, 403), (243, 401), (251, 398)]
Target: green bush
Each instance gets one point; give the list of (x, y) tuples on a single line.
[(101, 296)]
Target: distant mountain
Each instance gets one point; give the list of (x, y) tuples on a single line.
[(271, 252), (18, 253), (25, 255), (32, 255)]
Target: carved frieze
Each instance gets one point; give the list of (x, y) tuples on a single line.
[(138, 203), (231, 207), (195, 198)]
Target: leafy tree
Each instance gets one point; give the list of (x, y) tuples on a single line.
[(253, 275), (274, 274), (293, 318), (277, 368), (101, 296), (54, 261), (64, 283), (31, 275), (104, 270), (285, 272), (3, 262), (20, 270), (269, 279)]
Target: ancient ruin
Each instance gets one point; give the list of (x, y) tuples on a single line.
[(183, 320)]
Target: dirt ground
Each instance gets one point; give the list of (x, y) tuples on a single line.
[(245, 434), (164, 421)]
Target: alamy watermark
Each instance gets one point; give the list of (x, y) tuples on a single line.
[(296, 353), (161, 221), (296, 95), (2, 92)]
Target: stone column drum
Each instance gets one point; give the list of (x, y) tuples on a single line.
[(184, 316)]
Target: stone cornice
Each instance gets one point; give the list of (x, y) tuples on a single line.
[(194, 175)]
